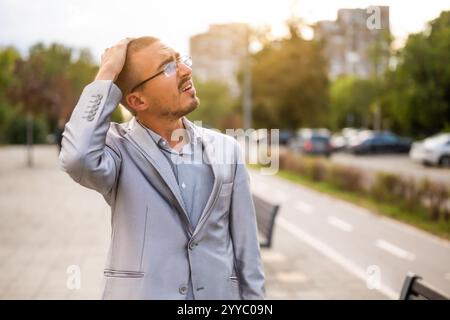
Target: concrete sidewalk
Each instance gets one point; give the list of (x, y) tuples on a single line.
[(49, 223)]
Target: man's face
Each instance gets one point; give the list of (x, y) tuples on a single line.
[(163, 95)]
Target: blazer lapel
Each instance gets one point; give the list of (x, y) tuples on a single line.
[(208, 144), (143, 141)]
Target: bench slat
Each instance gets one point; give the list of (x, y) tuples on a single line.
[(265, 219)]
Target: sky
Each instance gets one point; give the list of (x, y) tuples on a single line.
[(98, 24)]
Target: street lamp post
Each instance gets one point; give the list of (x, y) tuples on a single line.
[(247, 90)]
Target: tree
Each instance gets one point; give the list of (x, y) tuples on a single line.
[(289, 83), (351, 101), (216, 105), (51, 79), (8, 58), (419, 88), (45, 87)]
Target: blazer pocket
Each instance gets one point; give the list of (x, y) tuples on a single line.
[(122, 274)]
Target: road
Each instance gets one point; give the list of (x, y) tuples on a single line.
[(371, 247), (401, 164)]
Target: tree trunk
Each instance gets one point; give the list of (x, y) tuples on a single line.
[(29, 129)]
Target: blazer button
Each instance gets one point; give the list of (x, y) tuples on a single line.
[(183, 289)]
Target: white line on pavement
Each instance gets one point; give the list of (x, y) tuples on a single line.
[(340, 224), (333, 255), (303, 207), (395, 250), (410, 230)]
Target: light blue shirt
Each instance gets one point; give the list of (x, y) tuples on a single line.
[(193, 173)]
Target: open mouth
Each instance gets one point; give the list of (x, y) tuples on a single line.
[(187, 86)]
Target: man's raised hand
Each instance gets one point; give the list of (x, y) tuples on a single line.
[(113, 60)]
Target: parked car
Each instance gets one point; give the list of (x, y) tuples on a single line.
[(312, 141), (434, 150), (260, 136), (379, 142), (358, 137), (285, 136), (338, 142)]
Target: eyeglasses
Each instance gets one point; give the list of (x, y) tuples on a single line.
[(168, 70)]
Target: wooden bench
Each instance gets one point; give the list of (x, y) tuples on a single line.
[(265, 219), (415, 289)]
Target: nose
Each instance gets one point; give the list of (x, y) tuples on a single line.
[(184, 70)]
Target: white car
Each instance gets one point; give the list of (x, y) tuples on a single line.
[(434, 150)]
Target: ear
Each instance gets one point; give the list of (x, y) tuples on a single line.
[(136, 101)]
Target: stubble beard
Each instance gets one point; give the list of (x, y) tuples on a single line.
[(174, 115)]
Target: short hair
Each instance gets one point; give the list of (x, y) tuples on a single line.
[(127, 77)]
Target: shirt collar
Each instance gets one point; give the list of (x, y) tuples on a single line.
[(163, 144)]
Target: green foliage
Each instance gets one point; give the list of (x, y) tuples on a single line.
[(350, 102), (15, 131), (47, 83), (8, 58), (423, 203), (7, 115), (216, 104), (419, 88), (347, 178), (51, 79), (289, 84)]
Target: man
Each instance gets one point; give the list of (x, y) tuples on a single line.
[(181, 229)]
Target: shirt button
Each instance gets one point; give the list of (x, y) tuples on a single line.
[(183, 185), (183, 289)]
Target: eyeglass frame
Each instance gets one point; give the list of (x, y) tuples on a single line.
[(183, 59)]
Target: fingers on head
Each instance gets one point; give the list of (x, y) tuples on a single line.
[(125, 41)]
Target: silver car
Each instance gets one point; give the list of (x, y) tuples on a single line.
[(434, 150)]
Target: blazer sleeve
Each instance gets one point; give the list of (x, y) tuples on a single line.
[(84, 155), (244, 234)]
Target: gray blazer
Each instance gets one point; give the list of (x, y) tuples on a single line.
[(154, 247)]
